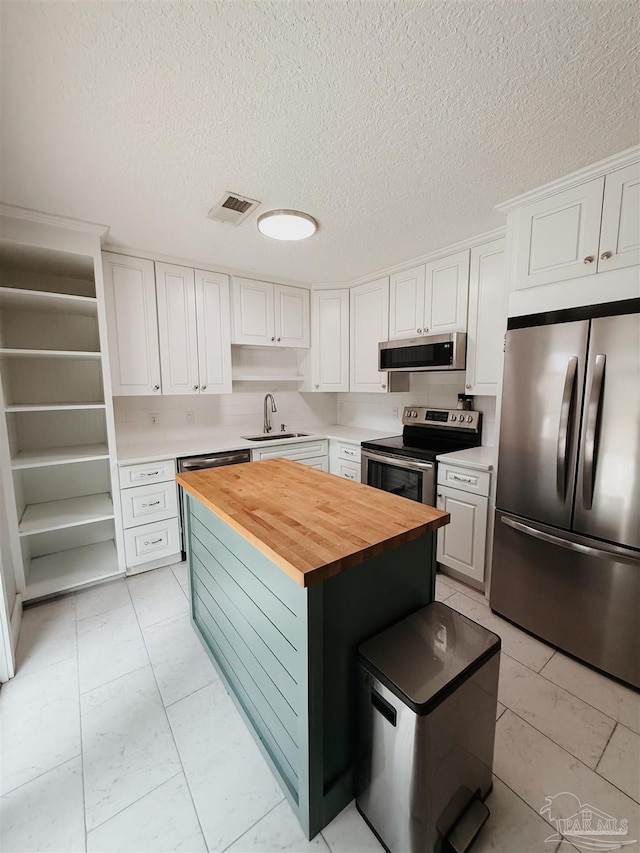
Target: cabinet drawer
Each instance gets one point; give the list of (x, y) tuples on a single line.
[(348, 470), (465, 479), (150, 472), (151, 541), (292, 451), (346, 451), (144, 504), (320, 462)]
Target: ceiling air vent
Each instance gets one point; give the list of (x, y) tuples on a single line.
[(232, 208)]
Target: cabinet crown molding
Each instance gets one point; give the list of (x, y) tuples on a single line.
[(15, 212), (581, 176)]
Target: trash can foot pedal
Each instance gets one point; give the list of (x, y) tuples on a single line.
[(468, 826)]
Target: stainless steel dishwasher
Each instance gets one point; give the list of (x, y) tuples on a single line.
[(207, 460)]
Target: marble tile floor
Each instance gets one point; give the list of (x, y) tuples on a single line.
[(117, 735)]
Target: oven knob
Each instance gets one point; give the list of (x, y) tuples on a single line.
[(415, 414), (469, 418), (454, 417)]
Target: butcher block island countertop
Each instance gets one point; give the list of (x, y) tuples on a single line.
[(290, 570), (310, 523)]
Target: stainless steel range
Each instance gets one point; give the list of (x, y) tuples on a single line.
[(406, 464)]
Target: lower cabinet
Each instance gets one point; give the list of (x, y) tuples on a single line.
[(312, 453), (464, 493), (344, 459), (150, 514)]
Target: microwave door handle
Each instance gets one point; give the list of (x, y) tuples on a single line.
[(566, 412), (590, 449)]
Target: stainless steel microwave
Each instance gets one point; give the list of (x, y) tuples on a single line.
[(430, 352)]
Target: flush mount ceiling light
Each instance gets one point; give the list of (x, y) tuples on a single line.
[(287, 224)]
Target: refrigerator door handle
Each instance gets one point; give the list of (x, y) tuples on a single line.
[(563, 426), (591, 431), (601, 553)]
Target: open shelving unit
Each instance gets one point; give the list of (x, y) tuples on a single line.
[(54, 408)]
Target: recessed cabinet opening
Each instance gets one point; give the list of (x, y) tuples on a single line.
[(43, 381), (35, 438), (27, 323), (46, 270)]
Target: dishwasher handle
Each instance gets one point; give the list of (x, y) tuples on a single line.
[(217, 460)]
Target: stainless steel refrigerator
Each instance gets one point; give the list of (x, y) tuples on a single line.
[(566, 558)]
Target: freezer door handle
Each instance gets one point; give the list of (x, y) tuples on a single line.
[(601, 553), (566, 412), (591, 432)]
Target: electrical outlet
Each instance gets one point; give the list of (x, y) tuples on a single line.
[(154, 418), (394, 412), (189, 417)]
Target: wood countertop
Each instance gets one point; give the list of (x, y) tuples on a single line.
[(309, 523)]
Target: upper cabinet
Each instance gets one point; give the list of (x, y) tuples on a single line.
[(266, 314), (132, 326), (581, 231), (430, 299), (330, 340), (193, 318), (488, 301), (369, 326)]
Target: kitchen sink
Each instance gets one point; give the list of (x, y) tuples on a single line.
[(274, 436)]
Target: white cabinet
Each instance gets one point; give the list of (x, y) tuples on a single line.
[(487, 322), (330, 340), (266, 314), (369, 325), (132, 326), (344, 459), (193, 318), (581, 231), (315, 454), (430, 299), (446, 294), (463, 492), (149, 505)]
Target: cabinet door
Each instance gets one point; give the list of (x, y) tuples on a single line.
[(175, 288), (253, 321), (461, 543), (446, 294), (406, 303), (557, 238), (214, 332), (291, 306), (330, 340), (620, 232), (488, 303), (369, 326), (132, 325)]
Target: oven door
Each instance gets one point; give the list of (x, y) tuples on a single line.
[(400, 476)]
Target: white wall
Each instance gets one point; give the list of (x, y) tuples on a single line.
[(243, 409), (440, 390)]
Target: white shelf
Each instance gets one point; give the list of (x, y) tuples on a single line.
[(71, 569), (39, 300), (47, 353), (59, 456), (276, 377), (69, 512), (54, 407)]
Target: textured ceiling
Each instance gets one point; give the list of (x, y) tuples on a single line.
[(398, 125)]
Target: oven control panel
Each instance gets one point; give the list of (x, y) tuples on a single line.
[(452, 418)]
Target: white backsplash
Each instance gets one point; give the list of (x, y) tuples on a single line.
[(440, 390)]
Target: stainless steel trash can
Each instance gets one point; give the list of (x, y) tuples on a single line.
[(428, 692)]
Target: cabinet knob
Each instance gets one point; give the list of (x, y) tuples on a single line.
[(195, 387), (467, 386), (156, 387), (203, 388), (439, 494), (383, 385), (279, 339), (425, 330), (589, 259), (317, 386), (605, 256), (272, 339), (419, 331)]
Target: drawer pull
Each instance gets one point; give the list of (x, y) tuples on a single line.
[(149, 473), (153, 541), (349, 452), (462, 478), (151, 503)]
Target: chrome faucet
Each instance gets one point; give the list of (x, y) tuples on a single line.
[(267, 420)]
